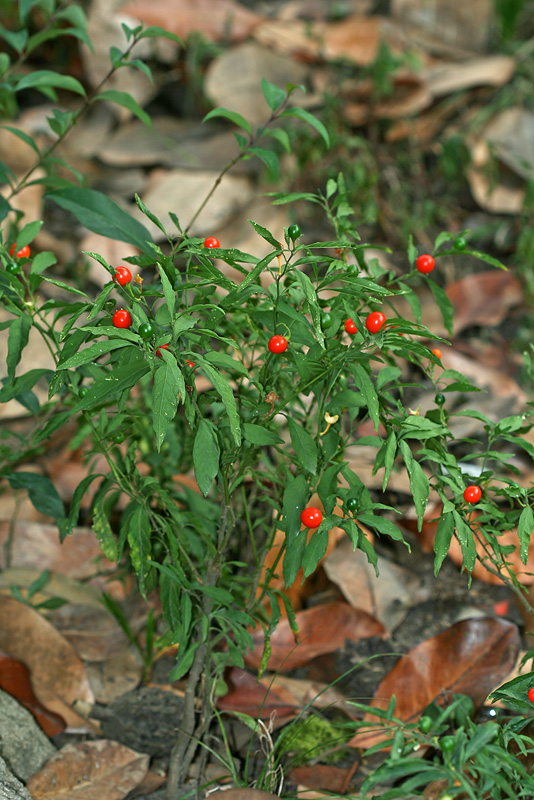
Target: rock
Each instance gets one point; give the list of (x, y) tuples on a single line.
[(23, 745), (10, 787)]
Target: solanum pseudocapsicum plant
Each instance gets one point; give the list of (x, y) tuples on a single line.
[(282, 398)]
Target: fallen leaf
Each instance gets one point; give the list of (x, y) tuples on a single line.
[(243, 794), (484, 377), (115, 676), (15, 679), (445, 78), (472, 657), (447, 22), (89, 771), (322, 629), (56, 586), (94, 633), (248, 696), (303, 691), (484, 298), (386, 598), (320, 776), (57, 674), (215, 19)]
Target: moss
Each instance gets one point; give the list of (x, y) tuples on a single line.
[(310, 738)]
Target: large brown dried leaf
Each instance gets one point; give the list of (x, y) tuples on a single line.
[(320, 776), (215, 19), (101, 770), (472, 657), (93, 632), (58, 675), (447, 77), (247, 696), (56, 586), (322, 629), (484, 298), (114, 677), (15, 679), (243, 794), (446, 22)]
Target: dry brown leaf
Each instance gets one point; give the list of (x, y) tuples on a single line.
[(484, 298), (215, 19), (446, 22), (58, 675), (445, 78), (243, 794), (387, 598), (93, 632), (37, 545), (15, 679), (322, 629), (320, 776), (248, 696), (114, 677), (472, 657), (355, 39), (484, 377), (89, 771), (57, 585), (301, 692), (410, 95)]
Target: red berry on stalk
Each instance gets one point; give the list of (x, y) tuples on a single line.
[(425, 264), (472, 494), (531, 694), (161, 347), (311, 517), (191, 365), (436, 352), (277, 344), (374, 321), (122, 276), (350, 327), (24, 252), (122, 318), (211, 241)]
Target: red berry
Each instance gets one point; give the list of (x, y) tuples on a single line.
[(425, 264), (374, 321), (122, 276), (277, 344), (24, 252), (350, 327), (531, 694), (472, 494), (311, 517), (211, 241), (436, 352), (161, 347), (191, 365), (122, 318)]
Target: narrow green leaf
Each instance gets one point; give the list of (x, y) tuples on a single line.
[(366, 386), (16, 39), (382, 525), (389, 458), (139, 529), (304, 446), (296, 497), (45, 78), (233, 116), (206, 455), (168, 291), (302, 114), (313, 304), (419, 483), (19, 333), (104, 534), (273, 94), (269, 158), (152, 217), (260, 436), (155, 32), (24, 136), (281, 137), (101, 215), (525, 528), (227, 396), (265, 234), (41, 262), (66, 287), (126, 100), (28, 233), (113, 383), (169, 384), (5, 208), (467, 541), (314, 552), (93, 351), (41, 491), (445, 305), (225, 361)]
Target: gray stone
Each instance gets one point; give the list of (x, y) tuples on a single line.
[(10, 787), (23, 745)]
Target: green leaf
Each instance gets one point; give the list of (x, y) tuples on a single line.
[(314, 552), (260, 436), (104, 534), (273, 94), (41, 491), (227, 396), (93, 351), (327, 487), (19, 333), (265, 234), (28, 233), (206, 455), (155, 31), (78, 496), (301, 113), (126, 100), (168, 291), (366, 386), (445, 305), (296, 496), (45, 78), (152, 217), (269, 158), (233, 116), (524, 531), (304, 446), (139, 529), (382, 525), (168, 385), (113, 383), (24, 136), (41, 262), (66, 287), (389, 458), (467, 541), (5, 208), (311, 297), (101, 215), (225, 361), (16, 39), (419, 483), (281, 137)]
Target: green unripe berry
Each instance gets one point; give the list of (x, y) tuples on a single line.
[(13, 268), (293, 232), (326, 321), (425, 724), (146, 330), (118, 437), (352, 269), (439, 399), (351, 504), (460, 243), (447, 743), (83, 391), (109, 305)]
